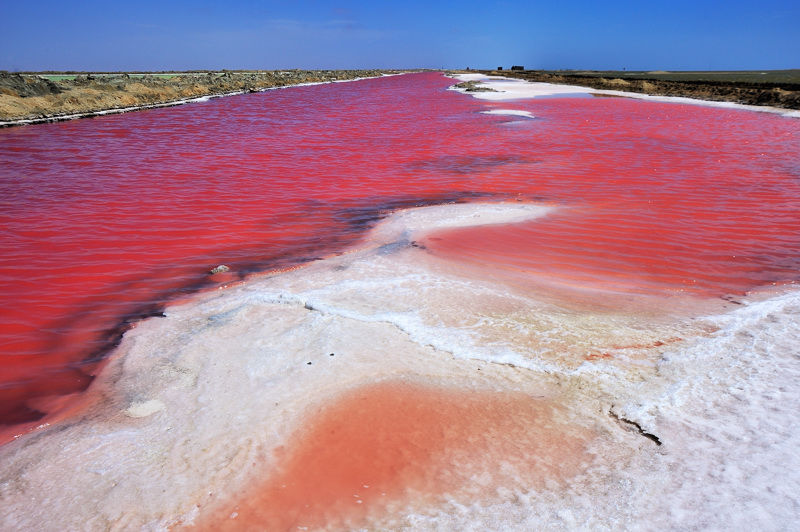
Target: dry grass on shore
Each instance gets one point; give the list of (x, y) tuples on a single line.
[(33, 97)]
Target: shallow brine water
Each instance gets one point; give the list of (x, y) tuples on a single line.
[(608, 315)]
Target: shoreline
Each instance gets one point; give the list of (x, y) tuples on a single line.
[(388, 386), (500, 88), (296, 403), (35, 98), (781, 94)]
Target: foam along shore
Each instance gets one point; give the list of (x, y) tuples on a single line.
[(30, 99), (386, 388), (509, 89)]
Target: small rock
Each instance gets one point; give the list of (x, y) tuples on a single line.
[(219, 269), (145, 409), (472, 86)]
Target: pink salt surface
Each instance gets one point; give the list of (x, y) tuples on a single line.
[(402, 444)]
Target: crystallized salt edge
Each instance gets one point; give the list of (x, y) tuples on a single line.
[(517, 89)]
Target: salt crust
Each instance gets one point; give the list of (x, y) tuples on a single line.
[(411, 223), (508, 112), (193, 404), (518, 89)]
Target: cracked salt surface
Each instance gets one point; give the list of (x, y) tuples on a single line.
[(195, 404)]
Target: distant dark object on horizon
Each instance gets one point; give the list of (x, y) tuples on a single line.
[(499, 68), (517, 67)]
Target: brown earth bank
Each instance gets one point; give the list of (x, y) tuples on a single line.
[(42, 97), (771, 88)]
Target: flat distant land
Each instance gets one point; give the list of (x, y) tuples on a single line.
[(775, 88), (726, 76)]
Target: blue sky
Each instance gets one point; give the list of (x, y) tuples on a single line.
[(641, 35)]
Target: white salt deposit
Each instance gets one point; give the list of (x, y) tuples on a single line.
[(410, 224), (513, 89), (723, 407), (194, 404), (505, 89), (508, 112)]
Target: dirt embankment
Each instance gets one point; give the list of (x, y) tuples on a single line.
[(52, 97), (775, 94)]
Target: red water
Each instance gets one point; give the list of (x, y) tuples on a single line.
[(105, 220)]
